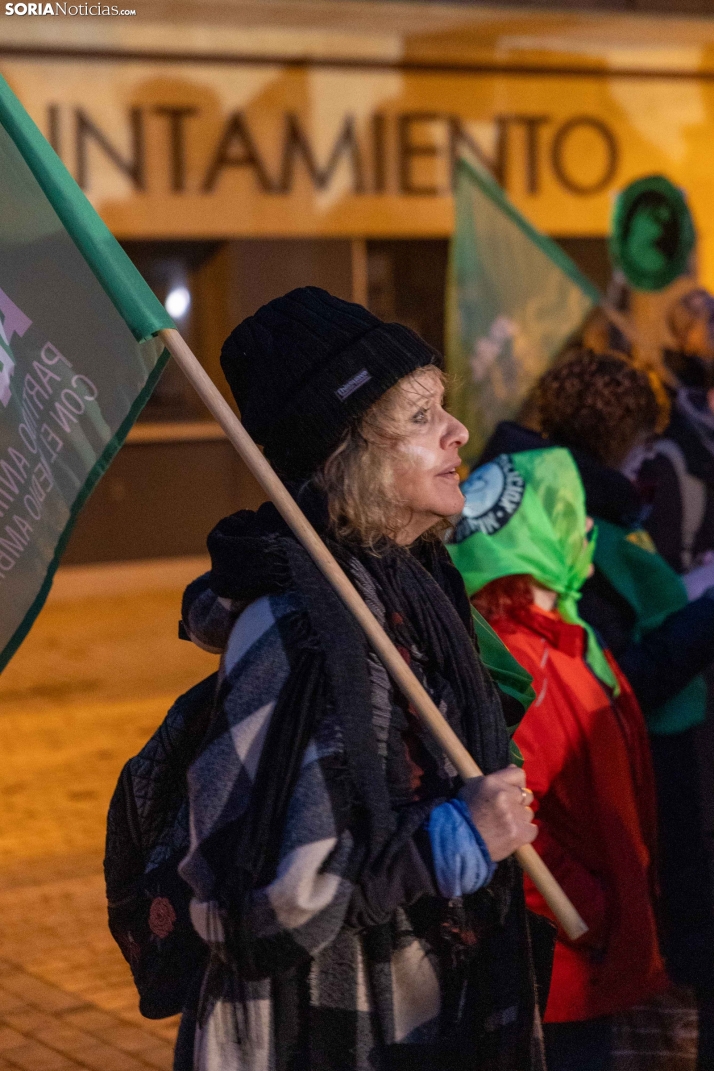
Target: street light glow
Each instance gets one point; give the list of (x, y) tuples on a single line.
[(178, 302)]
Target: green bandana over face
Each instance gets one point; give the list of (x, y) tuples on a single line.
[(525, 513)]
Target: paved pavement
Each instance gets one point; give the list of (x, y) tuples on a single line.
[(66, 996), (658, 1036), (87, 688)]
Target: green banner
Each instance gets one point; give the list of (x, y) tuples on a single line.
[(78, 361), (513, 300)]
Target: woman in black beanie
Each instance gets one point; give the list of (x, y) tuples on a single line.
[(361, 906)]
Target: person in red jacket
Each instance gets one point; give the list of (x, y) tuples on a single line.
[(524, 547)]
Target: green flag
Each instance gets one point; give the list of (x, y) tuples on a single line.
[(513, 299), (78, 360)]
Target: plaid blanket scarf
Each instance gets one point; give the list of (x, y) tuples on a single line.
[(344, 985)]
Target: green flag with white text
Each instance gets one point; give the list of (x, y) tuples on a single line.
[(513, 299), (78, 360)]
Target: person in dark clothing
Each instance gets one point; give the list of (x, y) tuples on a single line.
[(679, 482), (601, 408), (360, 905), (679, 476)]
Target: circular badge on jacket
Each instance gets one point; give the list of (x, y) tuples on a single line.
[(652, 233), (493, 493)]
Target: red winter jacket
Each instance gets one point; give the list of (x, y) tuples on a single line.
[(587, 762)]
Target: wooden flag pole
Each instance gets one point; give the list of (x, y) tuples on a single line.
[(399, 671)]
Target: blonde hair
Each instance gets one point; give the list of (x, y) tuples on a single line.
[(358, 478)]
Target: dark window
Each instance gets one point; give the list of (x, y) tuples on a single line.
[(406, 280)]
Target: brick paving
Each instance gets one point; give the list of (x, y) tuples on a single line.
[(66, 995), (658, 1036), (86, 689)]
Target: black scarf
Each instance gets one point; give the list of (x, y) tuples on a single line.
[(427, 616), (427, 610)]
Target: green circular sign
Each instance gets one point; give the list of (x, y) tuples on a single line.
[(652, 233)]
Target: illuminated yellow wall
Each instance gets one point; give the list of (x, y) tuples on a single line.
[(215, 149)]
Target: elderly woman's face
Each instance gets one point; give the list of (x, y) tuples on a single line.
[(426, 456)]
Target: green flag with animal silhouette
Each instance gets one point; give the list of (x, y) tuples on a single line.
[(513, 300)]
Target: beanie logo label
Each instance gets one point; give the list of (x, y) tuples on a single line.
[(493, 493), (353, 384)]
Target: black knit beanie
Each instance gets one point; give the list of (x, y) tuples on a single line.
[(306, 365)]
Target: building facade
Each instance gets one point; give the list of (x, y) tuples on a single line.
[(240, 148)]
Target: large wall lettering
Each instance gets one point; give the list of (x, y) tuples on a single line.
[(179, 149), (410, 138)]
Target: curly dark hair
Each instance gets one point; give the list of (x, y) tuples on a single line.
[(598, 403)]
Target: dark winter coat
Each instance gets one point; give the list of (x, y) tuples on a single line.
[(679, 483)]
